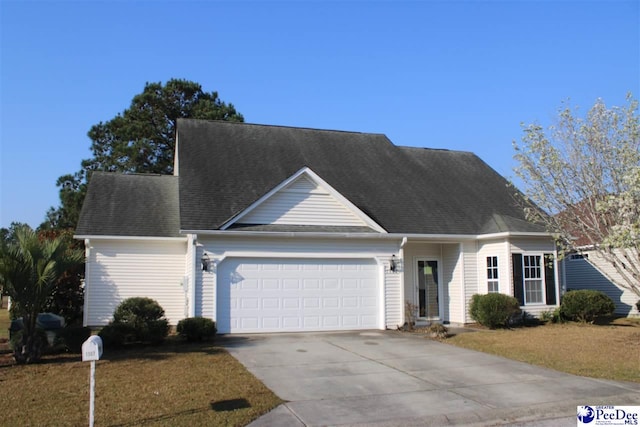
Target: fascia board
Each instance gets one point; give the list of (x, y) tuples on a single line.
[(113, 237)]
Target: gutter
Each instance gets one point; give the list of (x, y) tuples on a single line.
[(404, 237)]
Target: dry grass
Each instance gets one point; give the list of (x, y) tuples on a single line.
[(174, 384), (610, 351)]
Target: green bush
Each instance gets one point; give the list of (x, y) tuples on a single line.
[(553, 316), (136, 319), (493, 310), (115, 335), (638, 305), (73, 336), (586, 305), (196, 328)]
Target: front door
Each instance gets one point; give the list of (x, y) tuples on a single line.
[(428, 290)]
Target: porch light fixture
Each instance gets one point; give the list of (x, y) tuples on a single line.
[(205, 262), (393, 267)]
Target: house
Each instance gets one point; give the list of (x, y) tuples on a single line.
[(587, 269), (271, 229)]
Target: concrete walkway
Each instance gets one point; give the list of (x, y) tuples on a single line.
[(388, 378)]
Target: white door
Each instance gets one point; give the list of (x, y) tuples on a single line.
[(288, 295)]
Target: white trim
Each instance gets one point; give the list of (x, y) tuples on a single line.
[(112, 237), (507, 234), (543, 279), (413, 238), (417, 259), (321, 183)]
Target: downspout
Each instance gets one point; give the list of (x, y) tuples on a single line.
[(87, 269), (193, 278)]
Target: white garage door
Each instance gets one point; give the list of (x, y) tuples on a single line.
[(288, 295)]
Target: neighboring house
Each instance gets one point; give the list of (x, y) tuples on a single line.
[(269, 228), (588, 270)]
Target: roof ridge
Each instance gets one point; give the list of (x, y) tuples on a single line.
[(279, 126)]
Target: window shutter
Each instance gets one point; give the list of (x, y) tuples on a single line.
[(518, 280), (550, 279)]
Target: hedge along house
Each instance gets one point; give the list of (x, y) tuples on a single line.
[(274, 229)]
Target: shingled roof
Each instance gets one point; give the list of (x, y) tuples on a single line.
[(130, 205), (224, 167)]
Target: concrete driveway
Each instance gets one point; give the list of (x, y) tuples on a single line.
[(389, 378)]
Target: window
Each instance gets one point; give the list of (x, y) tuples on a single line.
[(533, 283), (493, 284)]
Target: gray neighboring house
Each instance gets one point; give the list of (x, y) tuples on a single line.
[(273, 229), (588, 270)]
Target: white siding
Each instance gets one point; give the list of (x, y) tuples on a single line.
[(393, 303), (532, 245), (593, 274), (268, 247), (470, 260), (124, 269), (500, 249), (452, 275), (302, 203)]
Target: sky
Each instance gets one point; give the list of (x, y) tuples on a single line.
[(459, 75)]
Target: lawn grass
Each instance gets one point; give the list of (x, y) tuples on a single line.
[(609, 351), (173, 384)]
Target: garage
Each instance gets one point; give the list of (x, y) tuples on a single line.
[(290, 295)]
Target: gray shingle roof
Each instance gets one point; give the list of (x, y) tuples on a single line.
[(130, 205), (224, 167)]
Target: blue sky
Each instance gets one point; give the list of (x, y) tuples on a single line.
[(456, 75)]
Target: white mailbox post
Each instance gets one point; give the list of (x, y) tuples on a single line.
[(92, 351)]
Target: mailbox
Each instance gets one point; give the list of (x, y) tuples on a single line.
[(92, 348)]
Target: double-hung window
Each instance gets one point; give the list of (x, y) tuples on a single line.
[(493, 285), (533, 281)]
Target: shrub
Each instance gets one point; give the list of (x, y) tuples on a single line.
[(115, 335), (586, 305), (493, 310), (638, 305), (438, 330), (553, 316), (136, 319), (196, 328), (72, 337)]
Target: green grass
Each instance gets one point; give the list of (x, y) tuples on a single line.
[(608, 351), (173, 384)]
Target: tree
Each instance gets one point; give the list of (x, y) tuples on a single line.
[(29, 269), (139, 140), (582, 179)]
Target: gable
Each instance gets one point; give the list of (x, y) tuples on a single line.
[(304, 199), (226, 168)]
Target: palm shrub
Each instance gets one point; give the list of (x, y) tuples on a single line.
[(30, 267), (196, 328), (493, 310), (585, 305)]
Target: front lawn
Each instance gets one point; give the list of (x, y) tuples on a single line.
[(610, 351), (173, 384)]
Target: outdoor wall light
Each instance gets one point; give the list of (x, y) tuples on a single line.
[(205, 262), (392, 264)]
